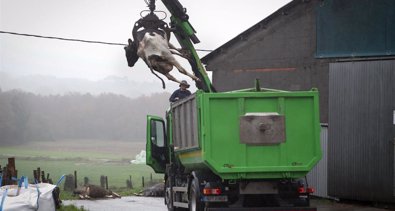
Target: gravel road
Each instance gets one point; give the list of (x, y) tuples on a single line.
[(124, 204)]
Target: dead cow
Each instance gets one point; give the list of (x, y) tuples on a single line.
[(94, 191), (157, 52)]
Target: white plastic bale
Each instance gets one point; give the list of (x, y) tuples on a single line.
[(46, 201), (27, 198)]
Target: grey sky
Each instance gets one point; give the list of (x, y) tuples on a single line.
[(216, 22)]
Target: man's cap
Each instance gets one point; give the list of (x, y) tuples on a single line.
[(184, 82)]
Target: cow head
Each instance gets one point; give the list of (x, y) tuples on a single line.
[(131, 53)]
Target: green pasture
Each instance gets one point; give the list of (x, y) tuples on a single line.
[(117, 173), (86, 149), (111, 159), (20, 151)]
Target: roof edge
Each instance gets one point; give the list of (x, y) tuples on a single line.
[(282, 11)]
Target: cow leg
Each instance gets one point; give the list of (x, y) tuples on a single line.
[(180, 53), (172, 78), (176, 52), (183, 71), (171, 46)]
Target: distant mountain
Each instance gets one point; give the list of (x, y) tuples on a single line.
[(50, 85)]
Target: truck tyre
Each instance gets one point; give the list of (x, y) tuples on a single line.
[(195, 203)]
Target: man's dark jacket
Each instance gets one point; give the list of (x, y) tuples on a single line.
[(180, 94)]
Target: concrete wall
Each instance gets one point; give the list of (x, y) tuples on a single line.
[(281, 53)]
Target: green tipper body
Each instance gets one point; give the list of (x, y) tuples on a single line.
[(205, 132)]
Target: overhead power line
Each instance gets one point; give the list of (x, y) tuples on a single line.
[(62, 38), (73, 40)]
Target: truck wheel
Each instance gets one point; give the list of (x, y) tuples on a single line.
[(195, 203)]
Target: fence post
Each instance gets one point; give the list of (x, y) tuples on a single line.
[(69, 183), (102, 181), (43, 176), (39, 175), (106, 183), (75, 179), (35, 176), (86, 181), (129, 182)]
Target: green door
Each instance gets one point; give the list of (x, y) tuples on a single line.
[(156, 144)]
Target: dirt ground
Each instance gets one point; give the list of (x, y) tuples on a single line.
[(156, 204)]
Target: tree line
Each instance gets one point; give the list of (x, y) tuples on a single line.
[(26, 117)]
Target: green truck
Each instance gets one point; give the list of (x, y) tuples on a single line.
[(233, 150), (241, 150)]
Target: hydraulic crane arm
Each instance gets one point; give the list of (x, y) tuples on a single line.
[(186, 36), (183, 31)]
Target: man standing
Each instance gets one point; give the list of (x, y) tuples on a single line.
[(180, 93)]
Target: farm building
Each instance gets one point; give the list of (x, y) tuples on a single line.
[(346, 49)]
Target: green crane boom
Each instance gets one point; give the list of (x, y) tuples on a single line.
[(186, 36)]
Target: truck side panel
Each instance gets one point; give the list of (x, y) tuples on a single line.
[(185, 124)]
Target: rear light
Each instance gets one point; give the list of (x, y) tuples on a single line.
[(212, 191), (307, 190), (206, 191), (310, 190), (301, 190)]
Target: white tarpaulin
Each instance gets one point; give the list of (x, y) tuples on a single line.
[(140, 158)]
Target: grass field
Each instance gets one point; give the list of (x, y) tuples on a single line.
[(90, 158)]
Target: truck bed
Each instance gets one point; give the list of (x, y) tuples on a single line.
[(208, 132)]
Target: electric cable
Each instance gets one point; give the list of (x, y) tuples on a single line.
[(73, 39), (61, 38)]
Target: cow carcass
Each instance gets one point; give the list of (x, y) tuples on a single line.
[(94, 191), (157, 52)]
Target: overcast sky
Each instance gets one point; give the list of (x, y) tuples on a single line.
[(216, 22)]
